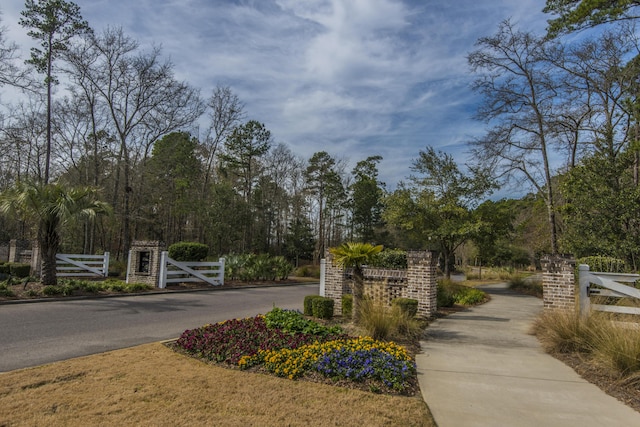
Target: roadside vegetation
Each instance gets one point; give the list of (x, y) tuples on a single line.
[(16, 288), (600, 347)]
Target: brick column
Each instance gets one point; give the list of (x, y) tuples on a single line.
[(16, 248), (144, 262), (421, 281), (558, 283), (335, 283)]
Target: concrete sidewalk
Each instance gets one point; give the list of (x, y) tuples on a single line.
[(480, 367)]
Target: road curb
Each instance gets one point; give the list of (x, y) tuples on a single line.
[(137, 294)]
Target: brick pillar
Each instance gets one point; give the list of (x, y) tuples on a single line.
[(36, 259), (558, 282), (335, 283), (4, 252), (16, 247), (421, 281), (144, 262)]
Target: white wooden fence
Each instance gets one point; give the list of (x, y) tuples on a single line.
[(606, 285), (172, 271), (77, 265)]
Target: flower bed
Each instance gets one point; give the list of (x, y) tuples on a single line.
[(274, 343)]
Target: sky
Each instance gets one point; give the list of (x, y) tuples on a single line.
[(354, 78)]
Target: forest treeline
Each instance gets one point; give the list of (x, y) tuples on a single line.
[(562, 118)]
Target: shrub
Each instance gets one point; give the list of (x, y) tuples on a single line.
[(307, 271), (469, 296), (115, 286), (188, 251), (308, 304), (391, 258), (525, 285), (322, 307), (5, 291), (91, 287), (50, 290), (383, 323), (609, 342), (293, 321), (5, 268), (616, 346), (347, 305), (408, 306), (604, 264), (19, 270), (117, 268), (563, 331), (445, 293), (137, 287), (282, 267), (377, 320)]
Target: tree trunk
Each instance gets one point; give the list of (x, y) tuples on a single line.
[(49, 244)]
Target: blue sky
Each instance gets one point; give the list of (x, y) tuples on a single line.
[(354, 78)]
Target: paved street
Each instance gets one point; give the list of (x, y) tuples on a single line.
[(38, 333)]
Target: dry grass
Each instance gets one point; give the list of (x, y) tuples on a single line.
[(601, 349), (151, 385)]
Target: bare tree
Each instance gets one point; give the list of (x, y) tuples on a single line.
[(143, 101), (226, 112), (10, 73), (519, 102)]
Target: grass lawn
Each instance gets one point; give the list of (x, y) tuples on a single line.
[(151, 385)]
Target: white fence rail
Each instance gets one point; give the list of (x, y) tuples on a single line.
[(172, 271), (77, 265), (606, 285)]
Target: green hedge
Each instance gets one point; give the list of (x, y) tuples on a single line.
[(390, 258), (308, 304), (188, 251), (322, 307), (19, 270), (347, 305)]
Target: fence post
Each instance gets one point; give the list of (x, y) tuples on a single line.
[(221, 271), (162, 279), (105, 264), (583, 280), (129, 267), (323, 266)]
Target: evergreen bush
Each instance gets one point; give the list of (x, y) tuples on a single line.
[(347, 305), (188, 251), (19, 270), (322, 308), (308, 304)]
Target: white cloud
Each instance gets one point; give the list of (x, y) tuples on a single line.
[(352, 77)]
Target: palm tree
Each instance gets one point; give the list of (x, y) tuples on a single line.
[(51, 206), (354, 254)]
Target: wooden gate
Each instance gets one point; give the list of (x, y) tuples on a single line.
[(614, 285), (172, 271), (75, 265)]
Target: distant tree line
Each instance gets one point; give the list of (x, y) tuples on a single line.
[(562, 119)]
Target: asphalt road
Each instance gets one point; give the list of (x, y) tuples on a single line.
[(38, 333)]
